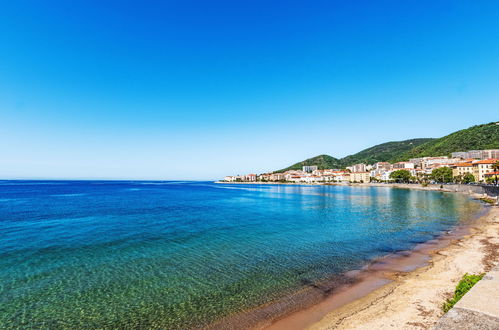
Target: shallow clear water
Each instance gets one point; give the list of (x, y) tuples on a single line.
[(184, 254)]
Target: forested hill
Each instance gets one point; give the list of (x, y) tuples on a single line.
[(379, 153), (478, 137), (321, 161), (384, 152)]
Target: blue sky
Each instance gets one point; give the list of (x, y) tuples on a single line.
[(203, 89)]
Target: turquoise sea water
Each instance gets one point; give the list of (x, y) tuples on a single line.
[(179, 255)]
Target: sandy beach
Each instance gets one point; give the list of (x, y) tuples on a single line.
[(413, 299), (406, 291)]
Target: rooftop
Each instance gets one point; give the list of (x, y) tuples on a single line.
[(487, 161)]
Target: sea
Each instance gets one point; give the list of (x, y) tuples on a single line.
[(187, 255)]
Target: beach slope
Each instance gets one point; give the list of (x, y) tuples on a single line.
[(414, 300)]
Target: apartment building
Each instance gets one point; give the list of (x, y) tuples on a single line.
[(477, 154), (309, 169), (482, 167), (404, 165), (277, 177), (490, 154), (460, 154), (357, 168), (462, 169), (360, 177), (264, 177), (250, 177)]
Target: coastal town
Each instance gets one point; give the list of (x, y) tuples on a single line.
[(481, 166)]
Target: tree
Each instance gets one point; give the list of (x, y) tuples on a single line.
[(422, 178), (495, 168), (489, 180), (401, 176), (468, 178), (442, 175)]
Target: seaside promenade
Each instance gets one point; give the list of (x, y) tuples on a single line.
[(478, 309)]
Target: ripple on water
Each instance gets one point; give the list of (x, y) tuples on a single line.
[(180, 255)]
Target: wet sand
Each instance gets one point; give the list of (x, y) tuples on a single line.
[(405, 290)]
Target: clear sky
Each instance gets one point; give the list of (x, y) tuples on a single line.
[(202, 89)]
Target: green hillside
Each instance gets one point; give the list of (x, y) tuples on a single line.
[(478, 137), (383, 152), (379, 153), (321, 161)]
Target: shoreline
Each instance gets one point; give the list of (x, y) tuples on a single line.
[(470, 190), (412, 297), (407, 288)]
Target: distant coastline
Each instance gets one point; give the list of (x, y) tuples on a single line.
[(476, 191)]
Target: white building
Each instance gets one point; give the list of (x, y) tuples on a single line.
[(357, 168), (404, 165), (277, 177), (477, 154), (309, 169), (363, 177)]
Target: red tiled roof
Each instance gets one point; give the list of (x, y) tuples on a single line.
[(486, 161), (492, 173)]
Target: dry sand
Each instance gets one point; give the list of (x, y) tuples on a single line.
[(414, 300)]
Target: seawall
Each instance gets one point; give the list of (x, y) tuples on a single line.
[(483, 190)]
